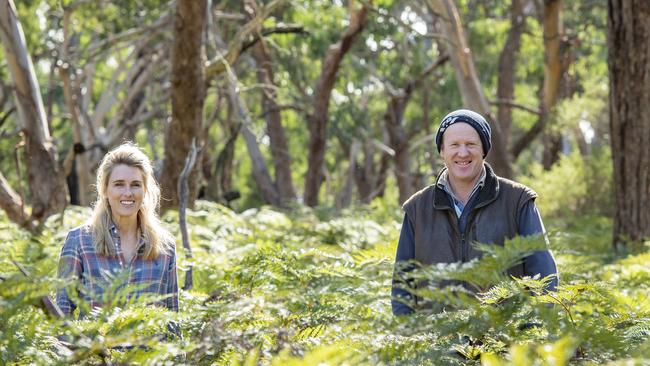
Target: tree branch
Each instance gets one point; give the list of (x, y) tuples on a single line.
[(512, 104), (218, 65), (183, 192), (13, 205), (282, 29)]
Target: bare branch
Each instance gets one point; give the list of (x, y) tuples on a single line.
[(183, 190), (4, 117), (512, 104), (283, 107), (282, 29), (133, 89), (96, 48), (13, 205), (230, 56)]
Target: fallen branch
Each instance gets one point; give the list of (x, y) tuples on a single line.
[(50, 306), (182, 202)]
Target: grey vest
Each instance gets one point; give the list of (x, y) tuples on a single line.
[(494, 217)]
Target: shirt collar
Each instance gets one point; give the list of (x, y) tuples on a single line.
[(115, 234), (443, 183)]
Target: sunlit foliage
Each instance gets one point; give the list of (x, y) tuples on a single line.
[(312, 286)]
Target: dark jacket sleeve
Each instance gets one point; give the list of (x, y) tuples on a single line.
[(540, 262), (405, 253)]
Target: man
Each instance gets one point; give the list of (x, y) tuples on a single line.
[(468, 203)]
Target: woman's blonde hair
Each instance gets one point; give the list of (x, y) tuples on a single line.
[(157, 239)]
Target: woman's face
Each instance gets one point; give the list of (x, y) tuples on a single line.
[(125, 191)]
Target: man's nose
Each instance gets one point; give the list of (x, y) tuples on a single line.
[(463, 150)]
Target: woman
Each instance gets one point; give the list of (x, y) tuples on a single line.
[(124, 236)]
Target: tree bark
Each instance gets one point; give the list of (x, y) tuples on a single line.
[(506, 78), (398, 136), (80, 136), (46, 181), (268, 190), (553, 70), (370, 179), (323, 90), (220, 181), (275, 130), (469, 84), (271, 111), (399, 141), (13, 205), (344, 198), (187, 96), (183, 189), (629, 97), (552, 149)]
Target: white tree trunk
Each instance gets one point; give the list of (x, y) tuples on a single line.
[(46, 181)]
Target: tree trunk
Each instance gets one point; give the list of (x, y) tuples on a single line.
[(82, 168), (13, 205), (344, 198), (187, 96), (369, 178), (135, 104), (553, 70), (267, 188), (220, 181), (398, 136), (399, 141), (581, 142), (45, 177), (319, 117), (271, 111), (629, 97), (275, 130), (468, 83), (552, 149), (506, 79)]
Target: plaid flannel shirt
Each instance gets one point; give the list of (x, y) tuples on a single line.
[(80, 262)]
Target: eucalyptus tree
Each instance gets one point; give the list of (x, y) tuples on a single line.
[(234, 29), (469, 84), (398, 64), (109, 61), (319, 115), (272, 112), (554, 69), (127, 53), (40, 151), (629, 72), (187, 98)]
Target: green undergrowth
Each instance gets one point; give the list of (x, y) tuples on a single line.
[(311, 287)]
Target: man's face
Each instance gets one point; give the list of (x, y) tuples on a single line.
[(462, 153)]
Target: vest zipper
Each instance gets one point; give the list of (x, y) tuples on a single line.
[(463, 253), (465, 245)]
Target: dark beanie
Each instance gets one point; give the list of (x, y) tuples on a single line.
[(473, 119)]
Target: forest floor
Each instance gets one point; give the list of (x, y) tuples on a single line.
[(310, 287)]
